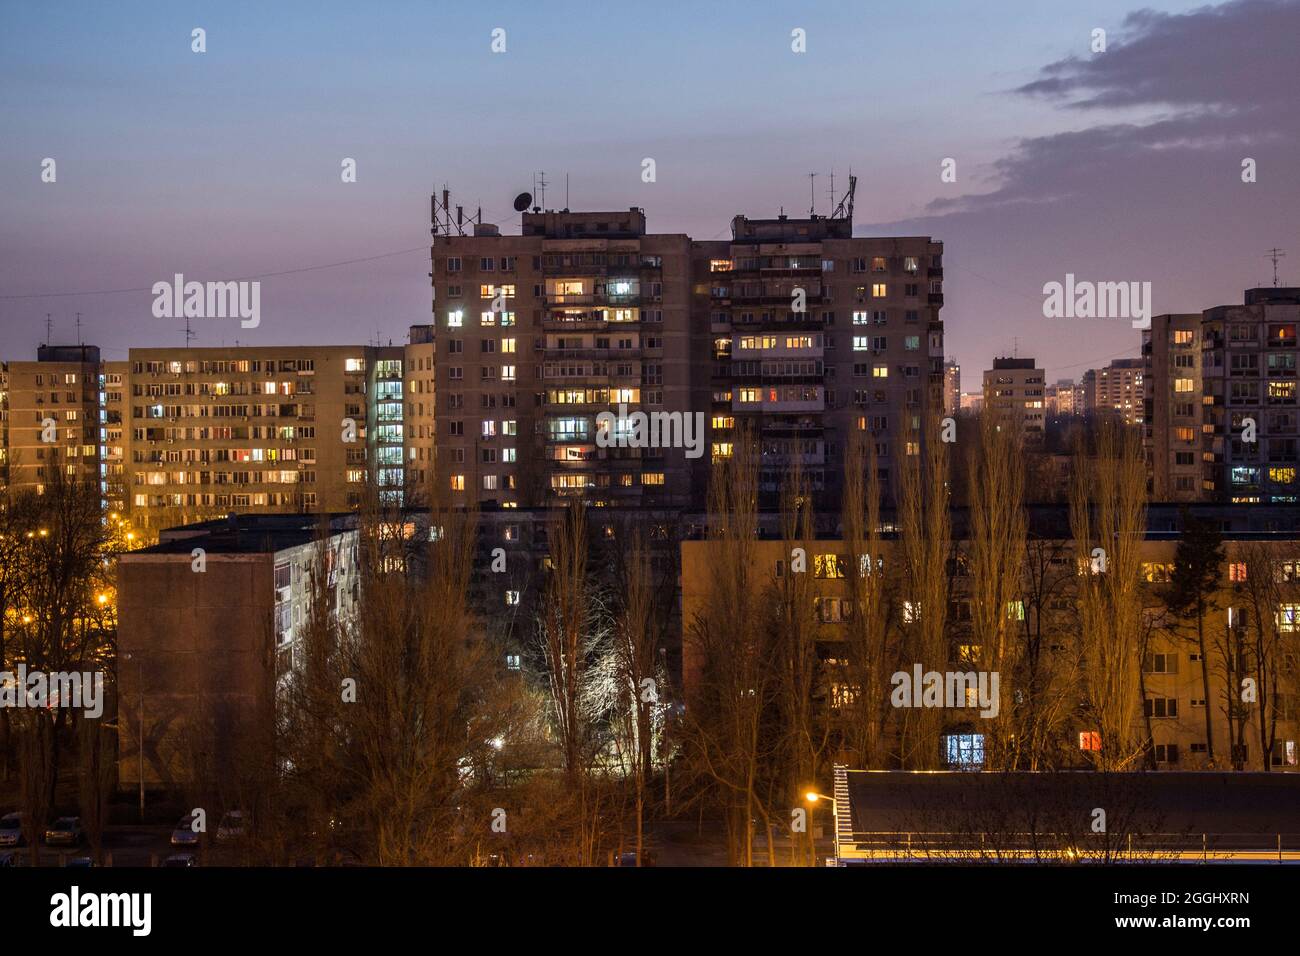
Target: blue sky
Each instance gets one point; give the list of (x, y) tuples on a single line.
[(227, 163)]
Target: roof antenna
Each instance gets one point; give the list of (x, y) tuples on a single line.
[(566, 192), (812, 195), (189, 335), (49, 328), (541, 185), (79, 342), (1275, 254)]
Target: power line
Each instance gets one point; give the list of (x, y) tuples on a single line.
[(262, 275)]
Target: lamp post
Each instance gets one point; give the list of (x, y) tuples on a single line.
[(812, 796)]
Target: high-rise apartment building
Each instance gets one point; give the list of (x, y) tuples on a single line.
[(951, 387), (1014, 393), (1171, 352), (536, 335), (1248, 369), (1116, 391), (816, 334), (793, 328)]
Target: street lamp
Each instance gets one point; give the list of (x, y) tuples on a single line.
[(812, 796)]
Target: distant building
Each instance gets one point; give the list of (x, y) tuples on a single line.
[(1014, 393), (1116, 391), (1064, 399), (951, 387), (972, 402)]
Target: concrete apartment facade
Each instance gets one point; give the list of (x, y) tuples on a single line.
[(1173, 414), (864, 353), (260, 429), (1248, 370), (203, 653), (53, 420), (1175, 702), (1116, 391), (535, 335), (1014, 392)]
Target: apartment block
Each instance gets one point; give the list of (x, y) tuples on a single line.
[(1064, 399), (1248, 370), (1014, 394), (1116, 391), (1171, 352), (260, 429), (1263, 541), (816, 334), (536, 335), (205, 656), (53, 417)]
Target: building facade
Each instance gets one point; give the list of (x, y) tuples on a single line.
[(1014, 392), (1248, 371), (1171, 352)]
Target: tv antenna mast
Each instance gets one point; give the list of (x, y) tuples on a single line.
[(812, 195), (845, 208), (79, 342), (190, 335), (49, 328), (1275, 254)]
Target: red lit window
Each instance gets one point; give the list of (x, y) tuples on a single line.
[(1089, 740)]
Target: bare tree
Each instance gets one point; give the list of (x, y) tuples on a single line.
[(996, 548), (870, 654), (925, 533), (731, 682), (1108, 517)]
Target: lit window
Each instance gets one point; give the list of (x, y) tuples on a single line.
[(965, 750)]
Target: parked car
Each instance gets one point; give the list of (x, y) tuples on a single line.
[(628, 858), (185, 834), (65, 831), (11, 858), (11, 829), (80, 862), (180, 860), (233, 827)]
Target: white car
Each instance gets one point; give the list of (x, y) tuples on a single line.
[(11, 829)]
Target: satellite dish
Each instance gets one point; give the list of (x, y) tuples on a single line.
[(523, 201)]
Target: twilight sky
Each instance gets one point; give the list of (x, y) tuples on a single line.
[(1123, 165)]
